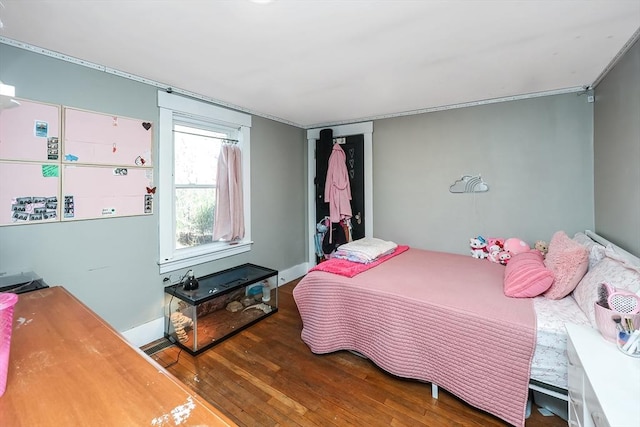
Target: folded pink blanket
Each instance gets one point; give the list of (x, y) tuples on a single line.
[(350, 268)]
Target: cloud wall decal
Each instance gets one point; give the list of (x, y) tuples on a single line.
[(469, 184)]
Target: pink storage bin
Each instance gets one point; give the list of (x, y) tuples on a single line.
[(607, 326), (7, 302)]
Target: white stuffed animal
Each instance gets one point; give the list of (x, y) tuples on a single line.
[(478, 247), (493, 251)]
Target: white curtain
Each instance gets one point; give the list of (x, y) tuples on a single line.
[(229, 214)]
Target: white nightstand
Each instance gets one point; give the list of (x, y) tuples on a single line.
[(604, 384)]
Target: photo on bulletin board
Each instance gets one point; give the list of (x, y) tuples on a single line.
[(91, 192), (96, 138), (29, 193), (30, 132)]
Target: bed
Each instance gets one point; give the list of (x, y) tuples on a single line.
[(549, 363), (443, 319)]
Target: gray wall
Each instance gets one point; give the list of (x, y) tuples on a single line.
[(110, 264), (617, 153), (536, 156)]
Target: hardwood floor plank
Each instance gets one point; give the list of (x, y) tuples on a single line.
[(266, 388), (243, 352), (267, 376), (221, 397)]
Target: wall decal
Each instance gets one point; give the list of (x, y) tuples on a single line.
[(469, 184)]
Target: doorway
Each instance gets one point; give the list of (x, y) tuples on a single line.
[(356, 141), (353, 147)]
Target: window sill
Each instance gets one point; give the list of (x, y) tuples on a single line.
[(191, 259)]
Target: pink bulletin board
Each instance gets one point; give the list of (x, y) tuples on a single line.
[(95, 138), (61, 164), (103, 192), (30, 132), (29, 193)]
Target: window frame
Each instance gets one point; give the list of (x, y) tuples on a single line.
[(174, 108)]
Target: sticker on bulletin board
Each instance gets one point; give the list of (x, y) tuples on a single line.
[(69, 207), (108, 211), (41, 129), (50, 171), (53, 148), (148, 203)]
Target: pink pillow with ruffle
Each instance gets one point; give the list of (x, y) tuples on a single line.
[(526, 276), (569, 261)]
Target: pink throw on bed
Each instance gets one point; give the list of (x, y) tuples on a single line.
[(350, 269), (431, 316)]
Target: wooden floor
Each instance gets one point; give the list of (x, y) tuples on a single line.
[(266, 376)]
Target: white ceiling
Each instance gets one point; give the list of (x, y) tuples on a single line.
[(312, 62)]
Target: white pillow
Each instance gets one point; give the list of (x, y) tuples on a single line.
[(612, 270), (596, 250)]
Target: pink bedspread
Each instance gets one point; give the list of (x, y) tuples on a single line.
[(350, 269), (431, 316)]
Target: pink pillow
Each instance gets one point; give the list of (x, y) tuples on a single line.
[(569, 261), (526, 276)]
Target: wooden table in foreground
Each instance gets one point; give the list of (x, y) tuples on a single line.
[(68, 367)]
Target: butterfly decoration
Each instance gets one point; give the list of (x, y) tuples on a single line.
[(151, 190)]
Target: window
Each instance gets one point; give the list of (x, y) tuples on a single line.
[(194, 165), (191, 134)]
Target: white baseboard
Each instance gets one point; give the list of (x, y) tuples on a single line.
[(145, 333), (285, 276), (154, 330)]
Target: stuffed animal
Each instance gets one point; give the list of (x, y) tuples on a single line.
[(497, 241), (542, 247), (504, 257), (478, 247), (494, 251), (516, 246), (495, 245), (493, 255)]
